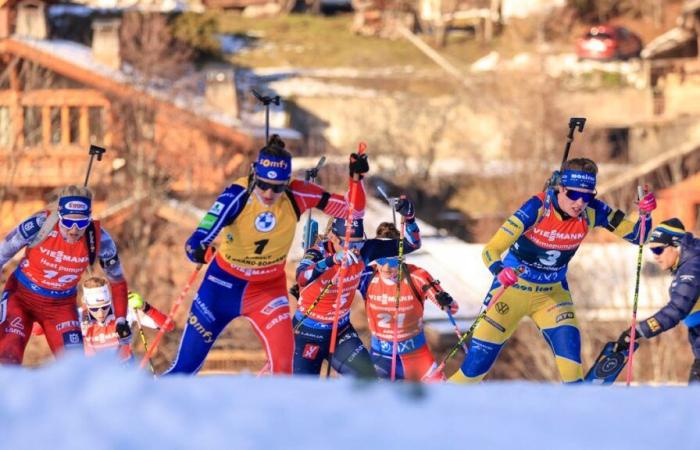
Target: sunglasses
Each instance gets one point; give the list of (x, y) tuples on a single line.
[(576, 195), (393, 263), (80, 223), (264, 186), (97, 309), (658, 250)]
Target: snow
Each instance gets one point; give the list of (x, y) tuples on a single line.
[(94, 404)]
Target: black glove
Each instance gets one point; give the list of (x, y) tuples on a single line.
[(123, 331), (294, 291), (444, 299), (406, 208), (623, 342), (197, 254), (358, 164)]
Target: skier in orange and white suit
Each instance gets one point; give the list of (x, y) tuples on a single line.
[(414, 359)]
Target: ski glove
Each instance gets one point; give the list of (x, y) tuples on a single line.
[(647, 204), (123, 331), (350, 257), (197, 254), (444, 299), (507, 277), (358, 164), (135, 300), (406, 208), (623, 342)]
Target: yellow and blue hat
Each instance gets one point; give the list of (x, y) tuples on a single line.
[(668, 232)]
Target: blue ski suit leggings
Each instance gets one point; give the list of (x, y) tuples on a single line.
[(312, 345), (551, 308), (221, 298)]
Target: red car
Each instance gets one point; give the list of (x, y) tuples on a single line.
[(608, 42)]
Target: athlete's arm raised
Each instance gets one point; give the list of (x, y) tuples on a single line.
[(21, 236), (615, 221)]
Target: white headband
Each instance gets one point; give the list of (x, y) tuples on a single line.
[(97, 296)]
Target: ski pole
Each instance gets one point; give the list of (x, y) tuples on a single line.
[(456, 327), (343, 266), (264, 369), (144, 341), (642, 230), (94, 151), (266, 100), (395, 343), (309, 232), (390, 201), (173, 309), (455, 348), (313, 306)]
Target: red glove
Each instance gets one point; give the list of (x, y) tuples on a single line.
[(507, 277), (647, 204)]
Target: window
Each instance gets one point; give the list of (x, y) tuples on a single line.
[(55, 114), (32, 126), (97, 125), (74, 124), (4, 127), (618, 144)]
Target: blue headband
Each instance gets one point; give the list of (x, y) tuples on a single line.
[(74, 204), (273, 167), (578, 179)]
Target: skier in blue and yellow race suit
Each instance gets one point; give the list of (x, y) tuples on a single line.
[(247, 277), (541, 238)]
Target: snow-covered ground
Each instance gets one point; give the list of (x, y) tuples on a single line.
[(91, 404)]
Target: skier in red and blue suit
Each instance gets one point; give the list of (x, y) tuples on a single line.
[(321, 266), (257, 216), (540, 239), (59, 247)]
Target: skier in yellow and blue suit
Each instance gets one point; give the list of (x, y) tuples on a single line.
[(541, 238)]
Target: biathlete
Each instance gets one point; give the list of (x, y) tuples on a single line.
[(317, 276), (540, 239), (60, 245), (257, 216)]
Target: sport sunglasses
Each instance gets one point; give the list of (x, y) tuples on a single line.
[(576, 195), (99, 308), (264, 186), (658, 250), (80, 223)]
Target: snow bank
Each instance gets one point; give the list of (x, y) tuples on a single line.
[(92, 404)]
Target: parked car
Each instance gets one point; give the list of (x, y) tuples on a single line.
[(608, 42)]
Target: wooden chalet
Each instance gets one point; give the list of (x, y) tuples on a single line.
[(58, 97)]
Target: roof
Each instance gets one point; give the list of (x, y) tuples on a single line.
[(76, 61), (665, 44)]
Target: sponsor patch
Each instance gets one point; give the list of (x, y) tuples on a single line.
[(207, 335), (77, 206), (219, 281), (276, 303), (495, 324), (67, 324), (502, 308), (310, 351), (654, 325), (208, 221), (265, 222), (564, 316), (216, 208), (72, 339)]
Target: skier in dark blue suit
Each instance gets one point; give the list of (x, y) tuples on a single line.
[(678, 251)]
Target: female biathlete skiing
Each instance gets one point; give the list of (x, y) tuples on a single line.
[(257, 216), (540, 239)]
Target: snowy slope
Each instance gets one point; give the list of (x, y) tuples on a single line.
[(90, 404)]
